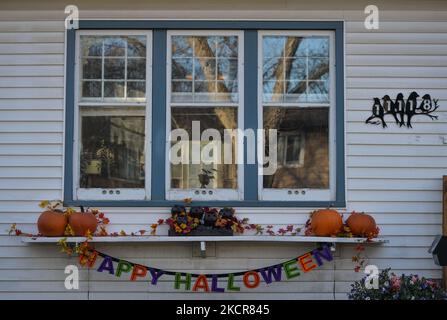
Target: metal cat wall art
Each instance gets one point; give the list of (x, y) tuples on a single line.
[(402, 111)]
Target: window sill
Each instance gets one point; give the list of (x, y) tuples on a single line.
[(210, 203), (133, 239)]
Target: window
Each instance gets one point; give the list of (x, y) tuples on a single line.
[(296, 105), (158, 111), (204, 104), (113, 114), (290, 149)]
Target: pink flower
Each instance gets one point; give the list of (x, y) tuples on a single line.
[(395, 283)]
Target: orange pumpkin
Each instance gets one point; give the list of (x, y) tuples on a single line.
[(82, 222), (52, 223), (362, 225), (326, 222)]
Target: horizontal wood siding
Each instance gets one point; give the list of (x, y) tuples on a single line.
[(394, 174)]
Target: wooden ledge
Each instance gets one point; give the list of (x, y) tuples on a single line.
[(203, 240)]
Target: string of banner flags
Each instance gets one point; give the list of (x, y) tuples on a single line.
[(184, 280)]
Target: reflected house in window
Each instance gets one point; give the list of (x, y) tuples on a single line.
[(303, 147), (115, 146)]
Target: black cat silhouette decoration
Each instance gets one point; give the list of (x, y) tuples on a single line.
[(402, 111)]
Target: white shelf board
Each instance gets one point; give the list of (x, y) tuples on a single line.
[(134, 239)]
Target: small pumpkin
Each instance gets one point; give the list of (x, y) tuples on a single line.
[(362, 225), (326, 222), (52, 223), (82, 222)]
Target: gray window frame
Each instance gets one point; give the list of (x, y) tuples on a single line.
[(159, 30)]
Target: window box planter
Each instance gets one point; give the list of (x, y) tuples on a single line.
[(204, 231)]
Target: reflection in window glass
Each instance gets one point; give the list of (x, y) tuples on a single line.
[(113, 67), (112, 151), (295, 69), (213, 175), (303, 147), (204, 69)]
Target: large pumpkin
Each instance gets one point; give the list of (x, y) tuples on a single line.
[(326, 222), (52, 223), (362, 225), (82, 222)]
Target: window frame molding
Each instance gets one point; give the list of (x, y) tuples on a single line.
[(228, 194), (84, 194), (311, 194), (250, 101)]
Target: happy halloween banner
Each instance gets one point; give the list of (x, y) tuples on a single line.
[(251, 279)]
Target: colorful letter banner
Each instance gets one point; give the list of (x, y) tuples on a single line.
[(208, 282)]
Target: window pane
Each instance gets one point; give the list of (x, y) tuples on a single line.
[(304, 159), (92, 68), (273, 46), (114, 89), (91, 46), (136, 46), (318, 68), (227, 46), (182, 46), (114, 68), (91, 89), (205, 69), (115, 46), (136, 89), (227, 69), (297, 69), (210, 62), (182, 68), (295, 47), (271, 67), (318, 91), (318, 46), (136, 69), (273, 91), (222, 172), (204, 46), (112, 152), (296, 60)]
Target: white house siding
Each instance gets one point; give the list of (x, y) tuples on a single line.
[(394, 174)]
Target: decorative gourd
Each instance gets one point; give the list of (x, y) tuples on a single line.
[(362, 225), (82, 222), (52, 223), (326, 222)]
